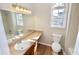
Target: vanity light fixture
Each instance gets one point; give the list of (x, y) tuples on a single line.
[(17, 8), (21, 9)]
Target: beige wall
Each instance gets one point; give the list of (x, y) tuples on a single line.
[(42, 17), (28, 23), (7, 22)]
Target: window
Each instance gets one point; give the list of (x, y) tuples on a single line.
[(19, 19), (58, 16)]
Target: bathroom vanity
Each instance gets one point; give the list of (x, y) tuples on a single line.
[(25, 44), (17, 29)]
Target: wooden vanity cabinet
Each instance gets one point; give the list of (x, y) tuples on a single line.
[(30, 51)]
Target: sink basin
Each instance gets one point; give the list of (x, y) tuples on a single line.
[(22, 45), (11, 40)]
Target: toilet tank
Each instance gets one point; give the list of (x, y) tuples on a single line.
[(56, 37)]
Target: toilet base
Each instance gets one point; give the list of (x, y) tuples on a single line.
[(59, 53), (56, 47)]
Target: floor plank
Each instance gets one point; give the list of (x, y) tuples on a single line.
[(44, 50)]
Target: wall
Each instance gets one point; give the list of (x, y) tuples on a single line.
[(42, 18), (5, 21), (28, 23), (72, 30), (3, 41), (6, 17)]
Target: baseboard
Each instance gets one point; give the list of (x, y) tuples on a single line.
[(50, 46), (44, 44)]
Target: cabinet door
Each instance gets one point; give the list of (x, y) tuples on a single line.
[(30, 51)]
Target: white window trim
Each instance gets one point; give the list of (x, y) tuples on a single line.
[(17, 20), (65, 18)]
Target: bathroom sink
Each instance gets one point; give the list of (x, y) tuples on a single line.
[(11, 40), (22, 45)]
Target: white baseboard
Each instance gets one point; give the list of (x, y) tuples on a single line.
[(50, 46), (44, 44)]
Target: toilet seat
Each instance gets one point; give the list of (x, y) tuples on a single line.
[(56, 47)]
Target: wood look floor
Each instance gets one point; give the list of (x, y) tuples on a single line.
[(42, 50)]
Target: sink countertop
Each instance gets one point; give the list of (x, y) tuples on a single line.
[(34, 36)]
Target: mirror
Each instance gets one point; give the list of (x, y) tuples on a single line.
[(15, 23)]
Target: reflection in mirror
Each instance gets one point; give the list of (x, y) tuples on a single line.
[(19, 23), (7, 22), (14, 24)]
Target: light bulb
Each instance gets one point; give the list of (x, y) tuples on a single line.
[(17, 8), (21, 9), (25, 10), (28, 11)]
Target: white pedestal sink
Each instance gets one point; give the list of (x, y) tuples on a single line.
[(24, 44)]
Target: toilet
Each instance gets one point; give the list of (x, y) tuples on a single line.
[(56, 47)]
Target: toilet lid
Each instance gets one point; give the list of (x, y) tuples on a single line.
[(56, 47)]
